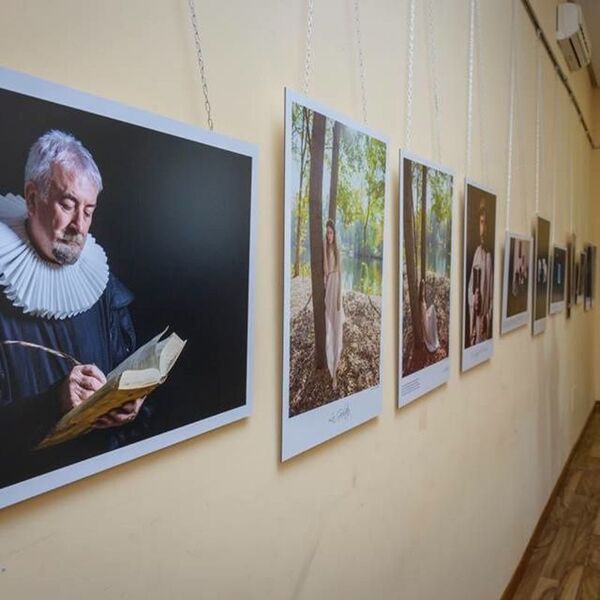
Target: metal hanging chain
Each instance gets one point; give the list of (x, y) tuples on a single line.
[(201, 64), (410, 74), (361, 64), (571, 186), (470, 85), (308, 51), (431, 55), (511, 112), (483, 146), (538, 122)]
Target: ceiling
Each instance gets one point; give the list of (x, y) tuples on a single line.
[(591, 14)]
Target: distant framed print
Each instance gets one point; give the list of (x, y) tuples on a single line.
[(334, 257), (427, 193), (571, 273), (478, 275), (124, 223), (516, 289), (541, 274), (559, 279)]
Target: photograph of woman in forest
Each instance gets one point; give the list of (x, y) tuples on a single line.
[(334, 311)]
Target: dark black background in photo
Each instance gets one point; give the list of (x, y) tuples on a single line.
[(543, 254), (474, 196), (559, 265), (174, 220)]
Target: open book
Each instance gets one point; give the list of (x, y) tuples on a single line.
[(135, 377)]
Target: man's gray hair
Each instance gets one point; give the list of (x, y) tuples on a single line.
[(58, 147)]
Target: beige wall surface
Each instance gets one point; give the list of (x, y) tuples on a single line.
[(437, 499)]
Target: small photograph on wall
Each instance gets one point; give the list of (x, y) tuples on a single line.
[(479, 265), (541, 267), (516, 289), (116, 224), (589, 283), (335, 203), (571, 273), (426, 192), (559, 279), (581, 270)]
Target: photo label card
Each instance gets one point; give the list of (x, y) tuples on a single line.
[(479, 271), (426, 192), (334, 257)]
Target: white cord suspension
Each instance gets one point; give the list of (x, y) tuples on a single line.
[(470, 84), (410, 74), (483, 148), (555, 150), (432, 60), (361, 64), (538, 122), (308, 50), (571, 185), (511, 111), (201, 65)]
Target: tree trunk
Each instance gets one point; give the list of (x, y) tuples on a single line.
[(335, 168), (410, 256), (317, 148), (303, 147), (423, 223)]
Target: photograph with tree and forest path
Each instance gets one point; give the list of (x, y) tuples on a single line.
[(337, 192), (426, 262)]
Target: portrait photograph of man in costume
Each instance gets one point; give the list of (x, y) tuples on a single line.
[(109, 233), (478, 290)]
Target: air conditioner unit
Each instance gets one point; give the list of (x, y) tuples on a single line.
[(572, 36)]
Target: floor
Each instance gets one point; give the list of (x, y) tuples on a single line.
[(564, 561)]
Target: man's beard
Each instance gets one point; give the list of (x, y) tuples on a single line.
[(67, 249)]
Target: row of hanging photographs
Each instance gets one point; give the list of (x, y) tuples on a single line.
[(335, 198), (176, 219)]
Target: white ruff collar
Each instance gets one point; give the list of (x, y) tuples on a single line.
[(42, 288)]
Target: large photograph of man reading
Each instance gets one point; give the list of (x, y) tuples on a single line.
[(110, 232)]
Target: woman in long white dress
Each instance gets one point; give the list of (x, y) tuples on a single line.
[(334, 309), (429, 322)]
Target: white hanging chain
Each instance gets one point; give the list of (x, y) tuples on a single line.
[(308, 51), (431, 55), (538, 122), (555, 150), (483, 146), (201, 64), (410, 74), (511, 112), (571, 186), (361, 64), (470, 85)]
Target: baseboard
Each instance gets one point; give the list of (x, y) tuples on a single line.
[(513, 584)]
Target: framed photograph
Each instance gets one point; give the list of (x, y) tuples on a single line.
[(559, 279), (124, 223), (334, 258), (589, 283), (581, 270), (541, 267), (478, 275), (571, 273), (426, 192), (516, 289)]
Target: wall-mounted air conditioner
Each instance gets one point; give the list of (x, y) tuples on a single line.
[(572, 36)]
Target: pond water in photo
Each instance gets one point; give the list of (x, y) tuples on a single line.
[(361, 275)]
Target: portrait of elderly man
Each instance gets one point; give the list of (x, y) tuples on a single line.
[(64, 317)]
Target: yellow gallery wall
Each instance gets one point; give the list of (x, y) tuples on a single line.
[(437, 499)]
